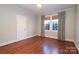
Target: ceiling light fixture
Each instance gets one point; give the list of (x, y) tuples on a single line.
[(39, 5)]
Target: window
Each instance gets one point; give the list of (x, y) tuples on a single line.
[(47, 24), (51, 24), (55, 24)]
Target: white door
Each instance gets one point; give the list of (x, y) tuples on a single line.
[(21, 27)]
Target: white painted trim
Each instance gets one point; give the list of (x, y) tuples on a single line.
[(69, 40), (8, 42), (13, 41), (76, 46)]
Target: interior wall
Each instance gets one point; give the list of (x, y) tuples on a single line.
[(38, 25), (8, 23), (69, 25), (77, 27)]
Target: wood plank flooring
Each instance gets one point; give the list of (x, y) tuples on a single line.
[(39, 45)]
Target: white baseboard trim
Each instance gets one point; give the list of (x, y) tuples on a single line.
[(8, 42), (69, 40), (76, 46), (13, 41)]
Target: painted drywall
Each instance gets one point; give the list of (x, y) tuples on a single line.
[(38, 28), (8, 23), (77, 27), (69, 25)]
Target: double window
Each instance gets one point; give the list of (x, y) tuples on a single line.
[(51, 24)]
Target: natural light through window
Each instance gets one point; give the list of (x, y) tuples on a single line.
[(55, 24), (47, 24), (51, 24)]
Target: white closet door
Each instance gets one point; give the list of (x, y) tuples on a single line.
[(21, 27)]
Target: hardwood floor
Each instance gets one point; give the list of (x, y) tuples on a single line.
[(40, 45)]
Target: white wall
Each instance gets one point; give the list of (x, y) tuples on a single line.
[(69, 25), (39, 25), (8, 24), (77, 27)]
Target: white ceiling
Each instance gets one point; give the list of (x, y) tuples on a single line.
[(46, 9)]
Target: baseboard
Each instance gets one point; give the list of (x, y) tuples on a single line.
[(13, 41), (76, 46), (69, 40)]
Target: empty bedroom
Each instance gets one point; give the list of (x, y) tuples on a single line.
[(39, 28)]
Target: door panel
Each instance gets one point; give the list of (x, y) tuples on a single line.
[(21, 26)]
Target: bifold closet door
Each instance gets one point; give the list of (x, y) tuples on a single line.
[(21, 26)]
